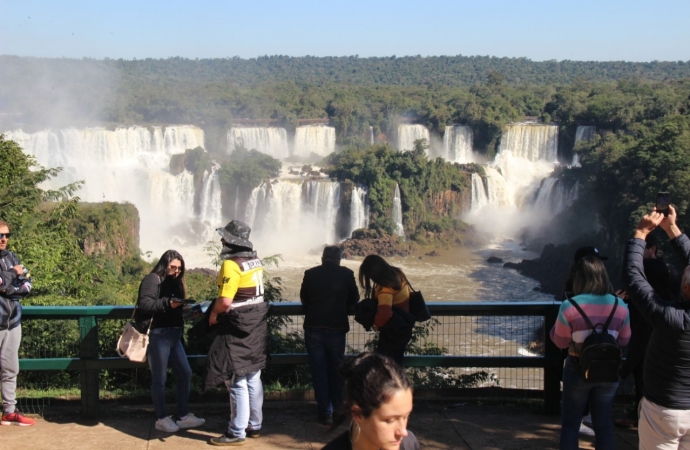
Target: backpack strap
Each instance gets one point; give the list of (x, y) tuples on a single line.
[(613, 311), (589, 322), (582, 313)]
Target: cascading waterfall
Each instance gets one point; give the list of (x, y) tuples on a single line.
[(585, 133), (553, 196), (407, 134), (479, 197), (269, 140), (582, 133), (359, 209), (294, 215), (513, 187), (457, 144), (371, 135), (397, 212), (128, 165), (317, 139), (533, 142), (210, 198)]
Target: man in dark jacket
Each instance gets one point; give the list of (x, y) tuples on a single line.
[(664, 420), (328, 292), (15, 284), (238, 352)]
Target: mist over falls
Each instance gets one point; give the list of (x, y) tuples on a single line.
[(290, 213), (517, 190)]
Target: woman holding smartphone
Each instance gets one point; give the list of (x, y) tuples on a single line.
[(159, 307)]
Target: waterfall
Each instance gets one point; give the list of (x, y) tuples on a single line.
[(407, 134), (512, 195), (532, 142), (128, 165), (584, 133), (371, 135), (317, 139), (294, 215), (397, 212), (359, 209), (269, 140), (479, 197), (457, 144), (553, 197), (210, 198)]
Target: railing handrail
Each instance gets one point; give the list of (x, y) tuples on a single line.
[(507, 308), (89, 362)]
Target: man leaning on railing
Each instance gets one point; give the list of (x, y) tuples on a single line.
[(15, 284)]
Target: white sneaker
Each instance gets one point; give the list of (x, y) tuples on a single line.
[(167, 424), (191, 421)]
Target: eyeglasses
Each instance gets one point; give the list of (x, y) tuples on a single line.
[(175, 268), (5, 235)]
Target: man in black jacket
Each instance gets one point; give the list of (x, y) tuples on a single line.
[(15, 284), (664, 420), (328, 292)]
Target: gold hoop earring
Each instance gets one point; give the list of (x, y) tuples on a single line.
[(354, 424)]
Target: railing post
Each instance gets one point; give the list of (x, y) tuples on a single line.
[(554, 365), (88, 349)]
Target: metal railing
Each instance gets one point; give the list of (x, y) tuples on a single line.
[(471, 335)]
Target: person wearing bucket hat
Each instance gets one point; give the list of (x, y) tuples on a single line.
[(236, 233), (238, 353)]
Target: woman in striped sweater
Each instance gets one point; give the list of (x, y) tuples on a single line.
[(593, 292), (389, 287)]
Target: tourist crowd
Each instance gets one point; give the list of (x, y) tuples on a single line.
[(652, 313)]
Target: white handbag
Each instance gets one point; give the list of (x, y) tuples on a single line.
[(132, 344)]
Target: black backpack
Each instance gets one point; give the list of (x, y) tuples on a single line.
[(601, 356)]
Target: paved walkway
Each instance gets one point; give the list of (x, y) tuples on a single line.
[(287, 425)]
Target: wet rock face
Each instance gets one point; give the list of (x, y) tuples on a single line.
[(383, 246)]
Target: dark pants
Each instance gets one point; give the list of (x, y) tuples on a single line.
[(394, 344), (326, 349), (577, 393), (165, 349)]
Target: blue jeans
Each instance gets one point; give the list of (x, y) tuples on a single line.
[(246, 401), (165, 348), (576, 394), (326, 349)]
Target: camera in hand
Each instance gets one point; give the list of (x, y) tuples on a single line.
[(663, 200), (185, 301)]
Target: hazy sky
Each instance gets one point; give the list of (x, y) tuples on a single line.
[(630, 30)]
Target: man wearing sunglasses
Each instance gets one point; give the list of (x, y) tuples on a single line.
[(15, 284)]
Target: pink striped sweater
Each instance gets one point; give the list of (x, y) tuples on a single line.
[(571, 329)]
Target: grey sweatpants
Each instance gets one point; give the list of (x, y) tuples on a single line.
[(9, 367)]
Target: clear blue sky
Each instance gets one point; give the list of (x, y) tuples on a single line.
[(600, 30)]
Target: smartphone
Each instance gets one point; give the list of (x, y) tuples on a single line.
[(663, 200), (185, 301)]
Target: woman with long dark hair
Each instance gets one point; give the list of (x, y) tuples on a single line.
[(592, 291), (389, 287), (378, 396), (159, 309)]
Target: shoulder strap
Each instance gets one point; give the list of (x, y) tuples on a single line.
[(589, 322), (582, 313), (408, 283), (613, 311)]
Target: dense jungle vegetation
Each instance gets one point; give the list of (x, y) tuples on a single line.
[(640, 110)]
